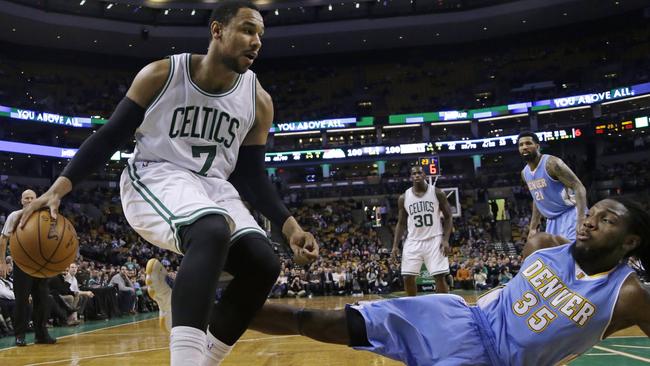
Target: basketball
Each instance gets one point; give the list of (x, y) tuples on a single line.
[(44, 247)]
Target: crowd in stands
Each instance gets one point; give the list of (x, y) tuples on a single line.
[(534, 67), (87, 290)]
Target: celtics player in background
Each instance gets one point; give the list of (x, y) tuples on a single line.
[(199, 121), (566, 298), (558, 194), (427, 238)]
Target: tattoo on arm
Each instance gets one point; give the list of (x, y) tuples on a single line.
[(560, 171)]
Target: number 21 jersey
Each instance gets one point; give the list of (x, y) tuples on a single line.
[(194, 129)]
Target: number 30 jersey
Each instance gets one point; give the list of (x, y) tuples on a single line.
[(423, 214), (194, 129)]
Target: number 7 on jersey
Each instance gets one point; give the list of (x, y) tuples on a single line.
[(211, 150)]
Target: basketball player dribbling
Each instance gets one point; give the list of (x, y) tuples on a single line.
[(427, 238), (566, 298), (198, 121), (558, 195)]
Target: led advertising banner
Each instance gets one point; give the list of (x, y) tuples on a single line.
[(505, 141), (51, 118), (55, 152), (524, 107), (417, 148), (338, 153), (325, 124), (622, 126)]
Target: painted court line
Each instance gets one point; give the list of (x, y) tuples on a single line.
[(89, 331), (98, 356), (625, 354), (142, 350), (626, 346)]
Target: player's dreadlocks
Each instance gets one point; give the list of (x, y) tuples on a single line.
[(638, 224)]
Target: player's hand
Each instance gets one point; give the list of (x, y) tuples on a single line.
[(531, 233), (304, 246), (4, 268), (46, 200), (394, 252), (445, 247), (50, 199)]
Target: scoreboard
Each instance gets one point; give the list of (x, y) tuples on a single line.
[(430, 164)]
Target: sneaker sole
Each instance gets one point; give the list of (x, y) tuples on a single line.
[(162, 322)]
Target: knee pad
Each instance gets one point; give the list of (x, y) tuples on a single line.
[(208, 231)]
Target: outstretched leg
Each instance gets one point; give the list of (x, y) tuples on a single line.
[(328, 326)]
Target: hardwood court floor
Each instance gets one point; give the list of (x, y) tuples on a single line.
[(141, 342)]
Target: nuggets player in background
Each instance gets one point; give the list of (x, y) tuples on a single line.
[(198, 121), (427, 238), (558, 195), (566, 298)]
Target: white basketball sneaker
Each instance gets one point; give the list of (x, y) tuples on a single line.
[(160, 291)]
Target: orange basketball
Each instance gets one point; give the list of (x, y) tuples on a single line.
[(44, 247)]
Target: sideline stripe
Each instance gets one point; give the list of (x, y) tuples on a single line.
[(97, 356), (625, 346), (94, 330), (144, 350), (625, 354)]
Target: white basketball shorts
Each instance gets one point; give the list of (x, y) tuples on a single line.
[(427, 251), (158, 198)]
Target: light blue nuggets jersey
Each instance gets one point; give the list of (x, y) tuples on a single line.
[(546, 314), (551, 196)]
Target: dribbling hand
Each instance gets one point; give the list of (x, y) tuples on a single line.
[(51, 199), (304, 246), (45, 200)]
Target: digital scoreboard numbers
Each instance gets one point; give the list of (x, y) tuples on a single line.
[(430, 164)]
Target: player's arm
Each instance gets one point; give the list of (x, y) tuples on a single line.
[(641, 310), (536, 217), (559, 170), (631, 307), (99, 147), (541, 241), (447, 221), (252, 182), (4, 239), (400, 228)]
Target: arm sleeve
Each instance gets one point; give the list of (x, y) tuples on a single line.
[(253, 184), (99, 147)]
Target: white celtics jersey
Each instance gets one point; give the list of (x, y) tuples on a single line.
[(194, 129), (423, 214)]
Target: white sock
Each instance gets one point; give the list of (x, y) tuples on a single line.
[(215, 351), (186, 345)]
